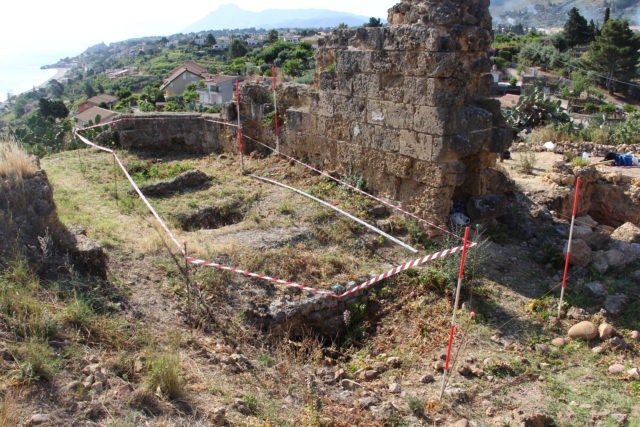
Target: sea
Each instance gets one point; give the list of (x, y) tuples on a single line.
[(20, 71)]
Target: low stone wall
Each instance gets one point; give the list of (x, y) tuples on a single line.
[(594, 149)]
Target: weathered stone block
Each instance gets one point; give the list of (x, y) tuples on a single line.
[(398, 116), (437, 120)]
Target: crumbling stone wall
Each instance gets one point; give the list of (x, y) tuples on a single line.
[(29, 227), (405, 106)]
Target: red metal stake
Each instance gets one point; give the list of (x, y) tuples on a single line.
[(455, 311), (566, 262)]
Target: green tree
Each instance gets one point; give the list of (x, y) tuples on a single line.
[(88, 89), (273, 36), (210, 40), (342, 25), (57, 88), (293, 67), (237, 48), (576, 29), (607, 15), (615, 52), (53, 109), (374, 22)]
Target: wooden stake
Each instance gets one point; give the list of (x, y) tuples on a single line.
[(188, 282)]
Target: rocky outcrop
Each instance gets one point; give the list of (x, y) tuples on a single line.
[(29, 227)]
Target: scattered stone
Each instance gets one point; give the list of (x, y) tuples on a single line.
[(621, 419), (614, 303), (91, 369), (124, 391), (597, 241), (577, 313), (559, 342), (584, 330), (345, 396), (490, 412), (616, 344), (380, 367), (605, 331), (37, 419), (587, 221), (241, 406), (368, 401), (219, 416), (634, 373), (580, 253), (73, 386), (536, 418), (635, 335), (427, 379), (615, 258), (627, 232), (478, 372), (349, 384), (439, 365), (369, 375), (394, 362), (460, 423), (598, 350), (457, 394), (395, 388), (97, 388), (597, 288), (616, 369), (600, 261), (339, 375), (464, 370), (542, 348)]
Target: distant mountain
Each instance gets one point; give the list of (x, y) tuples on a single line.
[(547, 13), (231, 16)]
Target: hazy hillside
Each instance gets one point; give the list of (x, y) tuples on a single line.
[(545, 13), (231, 16)]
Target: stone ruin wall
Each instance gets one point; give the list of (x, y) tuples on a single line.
[(403, 105)]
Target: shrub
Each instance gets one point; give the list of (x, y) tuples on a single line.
[(166, 375), (38, 361), (79, 314), (627, 108), (527, 163), (607, 108), (579, 161), (590, 108)]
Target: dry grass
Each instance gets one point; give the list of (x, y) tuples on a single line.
[(14, 162), (9, 415)]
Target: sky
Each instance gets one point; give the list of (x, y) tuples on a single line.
[(73, 25)]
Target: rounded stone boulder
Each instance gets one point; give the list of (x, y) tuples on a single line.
[(585, 330), (581, 253), (605, 331)]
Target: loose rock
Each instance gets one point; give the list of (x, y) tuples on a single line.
[(584, 330), (605, 331), (580, 253), (627, 232), (616, 369), (395, 388), (37, 419), (427, 379)]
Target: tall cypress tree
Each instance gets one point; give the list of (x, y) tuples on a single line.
[(615, 52), (576, 29), (607, 15)]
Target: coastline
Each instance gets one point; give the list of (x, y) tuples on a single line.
[(60, 73)]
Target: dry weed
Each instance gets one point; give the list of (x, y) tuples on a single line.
[(14, 161), (9, 415)]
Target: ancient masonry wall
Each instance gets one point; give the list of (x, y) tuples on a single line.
[(403, 105)]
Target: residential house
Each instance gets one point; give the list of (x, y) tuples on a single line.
[(218, 89), (312, 40), (291, 38), (95, 101), (182, 76), (102, 115)]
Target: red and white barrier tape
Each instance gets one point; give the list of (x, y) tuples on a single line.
[(357, 189), (379, 278)]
